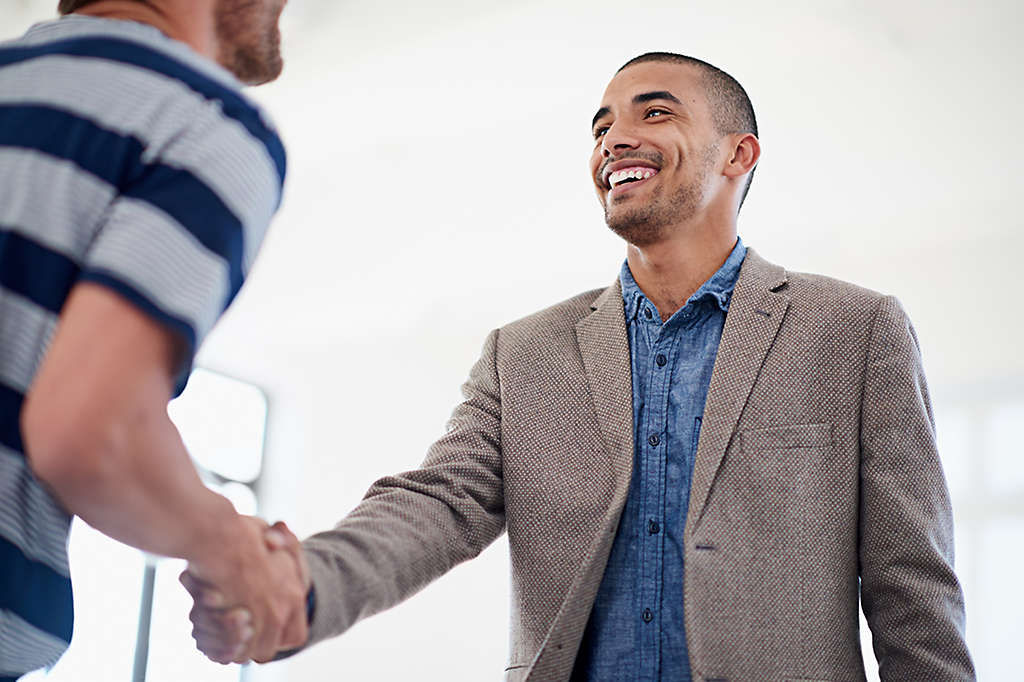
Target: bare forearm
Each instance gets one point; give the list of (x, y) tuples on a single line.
[(138, 485)]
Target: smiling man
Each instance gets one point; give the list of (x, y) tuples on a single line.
[(701, 468)]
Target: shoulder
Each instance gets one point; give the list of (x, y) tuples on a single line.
[(815, 289), (131, 81), (548, 324), (818, 297)]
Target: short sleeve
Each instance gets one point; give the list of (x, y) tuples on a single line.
[(179, 238)]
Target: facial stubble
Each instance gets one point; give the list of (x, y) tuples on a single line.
[(648, 223), (250, 40)]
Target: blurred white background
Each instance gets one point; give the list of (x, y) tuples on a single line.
[(438, 188)]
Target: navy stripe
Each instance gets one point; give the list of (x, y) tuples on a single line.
[(114, 158), (117, 160), (199, 210), (35, 272), (10, 418), (182, 327), (232, 102), (35, 592)]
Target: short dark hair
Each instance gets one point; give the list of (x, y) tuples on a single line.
[(69, 6), (731, 109)]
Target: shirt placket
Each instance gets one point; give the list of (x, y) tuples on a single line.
[(661, 346)]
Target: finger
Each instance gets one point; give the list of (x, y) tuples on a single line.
[(275, 539), (216, 650), (223, 643), (201, 591), (294, 547), (220, 653), (297, 631), (232, 625)]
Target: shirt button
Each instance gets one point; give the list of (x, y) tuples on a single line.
[(647, 313), (661, 360), (653, 440), (653, 527), (648, 616)]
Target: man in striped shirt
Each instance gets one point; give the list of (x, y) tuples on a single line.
[(136, 184)]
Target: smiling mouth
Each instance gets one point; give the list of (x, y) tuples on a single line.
[(623, 178)]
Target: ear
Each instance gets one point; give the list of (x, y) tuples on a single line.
[(745, 153)]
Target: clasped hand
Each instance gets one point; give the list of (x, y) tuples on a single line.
[(250, 597)]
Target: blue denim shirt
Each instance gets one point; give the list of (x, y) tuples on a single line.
[(636, 629)]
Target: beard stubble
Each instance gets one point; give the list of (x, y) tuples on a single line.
[(647, 224), (250, 40)]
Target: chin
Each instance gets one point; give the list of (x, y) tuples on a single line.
[(639, 230)]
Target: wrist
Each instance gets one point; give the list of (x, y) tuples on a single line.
[(217, 545)]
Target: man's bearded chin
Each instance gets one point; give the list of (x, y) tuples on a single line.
[(250, 41), (639, 226)]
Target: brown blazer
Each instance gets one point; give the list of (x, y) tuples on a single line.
[(816, 466)]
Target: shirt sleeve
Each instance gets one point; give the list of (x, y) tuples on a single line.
[(178, 239)]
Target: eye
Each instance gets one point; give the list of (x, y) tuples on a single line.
[(600, 131), (656, 113)]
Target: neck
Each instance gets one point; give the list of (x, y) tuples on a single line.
[(671, 270), (190, 22)]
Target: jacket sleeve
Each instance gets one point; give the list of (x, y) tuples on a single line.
[(413, 527), (911, 596)]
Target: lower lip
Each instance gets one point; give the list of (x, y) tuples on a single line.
[(619, 190)]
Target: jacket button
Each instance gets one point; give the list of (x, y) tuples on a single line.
[(661, 360), (652, 527), (653, 440), (648, 616)]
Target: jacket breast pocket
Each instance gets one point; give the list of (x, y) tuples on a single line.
[(782, 465), (791, 437)]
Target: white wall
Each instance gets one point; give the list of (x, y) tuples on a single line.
[(438, 188)]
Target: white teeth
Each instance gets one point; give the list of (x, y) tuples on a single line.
[(631, 174)]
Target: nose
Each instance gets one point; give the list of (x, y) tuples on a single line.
[(619, 137)]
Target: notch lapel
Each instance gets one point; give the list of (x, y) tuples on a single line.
[(751, 325), (604, 346)]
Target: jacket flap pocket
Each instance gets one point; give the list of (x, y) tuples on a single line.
[(787, 437)]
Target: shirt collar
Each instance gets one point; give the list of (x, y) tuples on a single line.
[(718, 288)]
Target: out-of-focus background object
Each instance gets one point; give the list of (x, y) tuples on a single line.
[(438, 188)]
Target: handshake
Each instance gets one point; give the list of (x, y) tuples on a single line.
[(250, 594)]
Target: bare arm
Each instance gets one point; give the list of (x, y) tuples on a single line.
[(96, 431)]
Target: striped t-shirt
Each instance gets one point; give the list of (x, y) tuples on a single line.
[(130, 161)]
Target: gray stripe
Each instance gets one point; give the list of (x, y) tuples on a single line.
[(29, 517), (25, 334), (50, 200), (24, 648), (82, 26), (168, 266), (176, 125)]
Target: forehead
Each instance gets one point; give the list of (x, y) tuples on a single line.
[(682, 80)]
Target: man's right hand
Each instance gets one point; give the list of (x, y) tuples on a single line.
[(250, 597)]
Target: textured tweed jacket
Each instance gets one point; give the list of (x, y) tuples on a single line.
[(816, 466)]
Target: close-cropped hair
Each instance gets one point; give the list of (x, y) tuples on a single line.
[(69, 6), (731, 108)]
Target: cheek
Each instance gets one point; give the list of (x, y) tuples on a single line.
[(595, 163)]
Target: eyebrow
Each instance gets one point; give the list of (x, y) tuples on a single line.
[(638, 99), (657, 94)]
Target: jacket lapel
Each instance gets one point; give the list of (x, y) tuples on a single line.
[(604, 346), (751, 325)]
